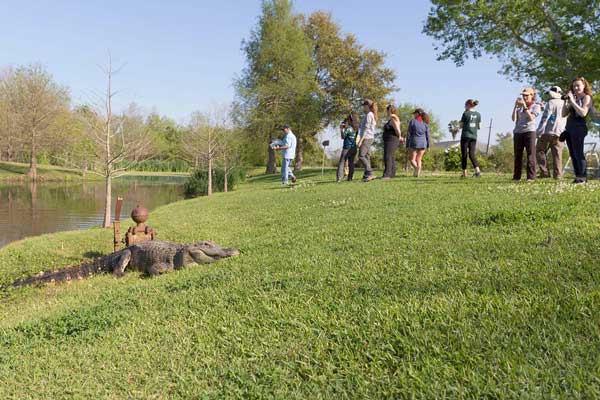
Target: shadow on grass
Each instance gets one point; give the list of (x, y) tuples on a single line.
[(93, 254)]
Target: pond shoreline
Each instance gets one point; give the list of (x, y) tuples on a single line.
[(29, 208)]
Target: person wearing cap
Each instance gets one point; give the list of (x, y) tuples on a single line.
[(418, 139), (552, 124), (288, 154), (525, 111), (367, 136)]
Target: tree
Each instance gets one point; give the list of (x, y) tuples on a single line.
[(277, 85), (204, 139), (8, 131), (33, 102), (454, 128), (119, 140), (503, 154), (346, 71), (546, 42)]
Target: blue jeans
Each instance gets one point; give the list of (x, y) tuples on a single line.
[(286, 170)]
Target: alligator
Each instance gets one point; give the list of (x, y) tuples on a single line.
[(152, 258)]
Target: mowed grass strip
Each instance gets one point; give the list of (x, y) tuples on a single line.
[(428, 288)]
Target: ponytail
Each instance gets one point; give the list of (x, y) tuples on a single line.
[(471, 103)]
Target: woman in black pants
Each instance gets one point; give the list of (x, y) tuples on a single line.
[(391, 141), (576, 108), (470, 124)]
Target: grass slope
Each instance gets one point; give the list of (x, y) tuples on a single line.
[(13, 171), (430, 288)]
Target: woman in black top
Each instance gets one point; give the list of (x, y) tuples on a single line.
[(576, 108), (391, 141)]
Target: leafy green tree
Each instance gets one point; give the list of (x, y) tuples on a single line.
[(346, 71), (167, 137), (546, 41), (277, 85), (503, 154)]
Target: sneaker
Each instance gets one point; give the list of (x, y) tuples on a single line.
[(530, 180), (369, 178), (477, 175), (385, 178)]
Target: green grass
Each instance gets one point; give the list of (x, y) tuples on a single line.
[(429, 288), (13, 171)]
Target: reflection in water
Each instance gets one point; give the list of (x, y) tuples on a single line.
[(33, 209)]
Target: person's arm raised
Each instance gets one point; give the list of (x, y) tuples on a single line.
[(584, 108)]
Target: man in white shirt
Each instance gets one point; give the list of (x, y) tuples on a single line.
[(288, 155)]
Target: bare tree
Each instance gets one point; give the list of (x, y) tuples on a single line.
[(8, 134), (33, 100), (230, 154), (119, 140), (203, 140)]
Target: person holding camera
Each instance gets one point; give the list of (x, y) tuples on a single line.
[(391, 141), (288, 152), (367, 136), (470, 123), (577, 104), (524, 114), (552, 124), (418, 139), (349, 131)]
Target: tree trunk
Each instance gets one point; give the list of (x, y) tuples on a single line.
[(271, 164), (209, 189), (33, 163), (225, 176), (107, 201), (299, 163)]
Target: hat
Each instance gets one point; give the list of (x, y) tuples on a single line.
[(285, 126), (556, 89), (555, 92), (528, 90), (418, 111), (367, 102)]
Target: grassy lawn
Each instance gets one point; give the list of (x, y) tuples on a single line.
[(12, 171), (429, 288)]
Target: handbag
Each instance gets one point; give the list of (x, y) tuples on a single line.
[(563, 136)]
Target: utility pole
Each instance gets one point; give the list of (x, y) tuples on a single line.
[(487, 150)]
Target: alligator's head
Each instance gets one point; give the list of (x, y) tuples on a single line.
[(207, 251)]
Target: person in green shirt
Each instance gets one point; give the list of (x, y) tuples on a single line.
[(470, 124), (348, 131)]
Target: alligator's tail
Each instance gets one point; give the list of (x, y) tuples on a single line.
[(76, 272)]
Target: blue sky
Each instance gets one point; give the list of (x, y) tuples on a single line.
[(182, 56)]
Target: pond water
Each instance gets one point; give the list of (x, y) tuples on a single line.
[(28, 209)]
